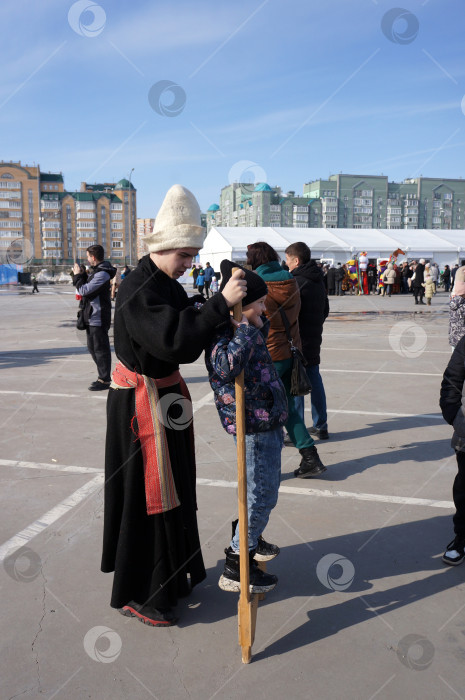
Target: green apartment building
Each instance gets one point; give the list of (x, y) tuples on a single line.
[(371, 201), (345, 201)]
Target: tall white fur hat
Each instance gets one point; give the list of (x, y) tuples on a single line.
[(178, 222)]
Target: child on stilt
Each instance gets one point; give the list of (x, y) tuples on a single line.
[(236, 347)]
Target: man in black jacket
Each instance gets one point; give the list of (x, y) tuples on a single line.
[(313, 312), (417, 282), (339, 276), (331, 280), (96, 303)]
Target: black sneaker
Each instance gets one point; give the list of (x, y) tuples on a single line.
[(311, 464), (230, 580), (455, 552), (287, 441), (149, 616), (265, 551), (99, 385), (320, 433)]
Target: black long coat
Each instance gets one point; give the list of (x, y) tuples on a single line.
[(156, 328), (314, 309), (331, 280), (419, 275)]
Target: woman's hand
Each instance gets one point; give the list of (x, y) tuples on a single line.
[(235, 289)]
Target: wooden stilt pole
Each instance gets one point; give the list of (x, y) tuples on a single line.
[(248, 603)]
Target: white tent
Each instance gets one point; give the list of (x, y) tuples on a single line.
[(337, 244)]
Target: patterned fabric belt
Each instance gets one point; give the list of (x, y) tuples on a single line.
[(160, 489)]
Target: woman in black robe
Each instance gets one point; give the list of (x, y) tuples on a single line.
[(156, 328)]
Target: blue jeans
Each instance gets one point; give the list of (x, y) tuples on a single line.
[(318, 399), (263, 459)]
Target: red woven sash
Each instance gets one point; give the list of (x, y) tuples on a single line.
[(160, 489)]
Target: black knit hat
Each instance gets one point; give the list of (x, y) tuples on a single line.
[(256, 286)]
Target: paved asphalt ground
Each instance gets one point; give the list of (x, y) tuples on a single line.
[(385, 622)]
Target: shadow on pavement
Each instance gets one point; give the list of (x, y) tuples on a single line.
[(397, 550)]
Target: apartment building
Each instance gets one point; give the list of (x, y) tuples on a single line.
[(371, 201), (345, 201), (144, 228), (248, 204), (53, 224)]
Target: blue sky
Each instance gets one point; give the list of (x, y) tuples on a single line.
[(300, 90)]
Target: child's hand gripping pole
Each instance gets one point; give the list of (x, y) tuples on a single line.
[(247, 608)]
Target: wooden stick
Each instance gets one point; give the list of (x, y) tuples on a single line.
[(247, 605)]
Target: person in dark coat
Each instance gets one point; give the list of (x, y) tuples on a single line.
[(150, 537), (331, 280), (452, 403), (406, 274), (313, 313), (446, 278), (208, 274), (339, 277), (417, 282), (94, 289), (372, 276)]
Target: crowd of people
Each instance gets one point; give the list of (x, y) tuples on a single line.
[(420, 278), (150, 539)]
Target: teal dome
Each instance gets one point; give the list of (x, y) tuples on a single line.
[(213, 207), (124, 185), (262, 187)]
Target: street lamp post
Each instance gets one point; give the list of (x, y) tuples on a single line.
[(130, 218)]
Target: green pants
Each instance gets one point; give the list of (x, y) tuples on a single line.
[(295, 425)]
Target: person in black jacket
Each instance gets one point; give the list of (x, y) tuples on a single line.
[(94, 288), (417, 282), (313, 312), (331, 280), (150, 538), (452, 403), (372, 274), (446, 278), (339, 276)]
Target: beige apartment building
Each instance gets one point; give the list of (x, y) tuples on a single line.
[(55, 225), (144, 228)]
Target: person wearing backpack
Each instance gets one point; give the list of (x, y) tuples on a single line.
[(94, 288)]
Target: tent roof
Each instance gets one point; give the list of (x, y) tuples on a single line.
[(354, 240)]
